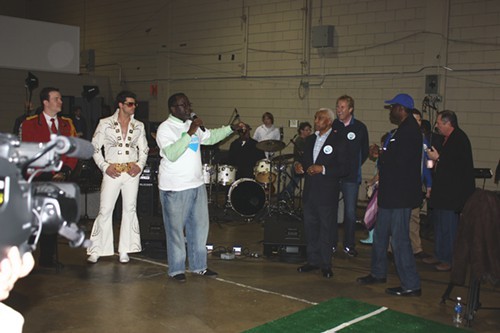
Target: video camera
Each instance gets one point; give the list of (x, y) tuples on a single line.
[(29, 208)]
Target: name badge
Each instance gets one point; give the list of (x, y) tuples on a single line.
[(351, 136), (328, 149)]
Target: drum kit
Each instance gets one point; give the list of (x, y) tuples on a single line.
[(249, 196)]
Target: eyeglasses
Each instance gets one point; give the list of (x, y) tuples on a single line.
[(185, 105), (130, 104)]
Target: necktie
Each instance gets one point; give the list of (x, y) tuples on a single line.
[(53, 127)]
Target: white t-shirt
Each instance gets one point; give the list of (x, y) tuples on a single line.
[(263, 133)]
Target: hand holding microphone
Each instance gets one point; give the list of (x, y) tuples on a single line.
[(197, 121)]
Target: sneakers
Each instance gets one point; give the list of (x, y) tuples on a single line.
[(398, 291), (124, 258), (179, 277), (92, 259), (350, 252), (208, 273)]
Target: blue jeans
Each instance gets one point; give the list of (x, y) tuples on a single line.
[(186, 211), (445, 232), (350, 194), (394, 224)]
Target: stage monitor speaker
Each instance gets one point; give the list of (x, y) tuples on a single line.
[(147, 199), (284, 236), (152, 228)]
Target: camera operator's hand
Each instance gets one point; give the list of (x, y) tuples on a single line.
[(12, 268)]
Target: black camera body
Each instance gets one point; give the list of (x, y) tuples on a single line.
[(29, 208)]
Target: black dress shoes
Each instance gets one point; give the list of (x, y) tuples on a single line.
[(398, 291), (327, 272), (370, 279), (307, 268)]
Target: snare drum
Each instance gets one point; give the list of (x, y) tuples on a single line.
[(226, 174), (262, 172), (208, 172), (246, 197)]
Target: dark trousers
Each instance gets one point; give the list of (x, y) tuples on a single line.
[(320, 226), (48, 248)]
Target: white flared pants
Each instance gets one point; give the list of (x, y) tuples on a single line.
[(102, 231)]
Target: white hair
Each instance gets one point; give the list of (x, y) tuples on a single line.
[(330, 113)]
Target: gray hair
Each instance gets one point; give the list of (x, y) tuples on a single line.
[(330, 113)]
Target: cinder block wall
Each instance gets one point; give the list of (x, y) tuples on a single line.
[(256, 56)]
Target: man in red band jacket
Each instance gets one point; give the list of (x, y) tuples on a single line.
[(38, 128)]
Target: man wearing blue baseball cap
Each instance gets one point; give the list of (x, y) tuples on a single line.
[(399, 191)]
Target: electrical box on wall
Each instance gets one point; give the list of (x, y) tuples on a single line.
[(431, 84), (322, 36)]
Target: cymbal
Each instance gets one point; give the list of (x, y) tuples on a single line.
[(282, 159), (271, 145)]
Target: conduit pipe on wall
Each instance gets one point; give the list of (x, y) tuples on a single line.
[(306, 48)]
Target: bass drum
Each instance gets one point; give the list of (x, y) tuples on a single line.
[(246, 197)]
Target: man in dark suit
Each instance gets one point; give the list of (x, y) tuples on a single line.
[(400, 190), (324, 162), (38, 128), (453, 184)]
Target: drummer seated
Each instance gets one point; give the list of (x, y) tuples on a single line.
[(268, 132), (244, 154)]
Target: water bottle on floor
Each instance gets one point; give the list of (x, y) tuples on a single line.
[(457, 313)]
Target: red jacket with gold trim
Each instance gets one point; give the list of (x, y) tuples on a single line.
[(36, 129)]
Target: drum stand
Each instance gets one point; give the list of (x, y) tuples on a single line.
[(287, 206), (281, 206), (290, 199)]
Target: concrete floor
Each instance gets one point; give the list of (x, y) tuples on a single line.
[(250, 291)]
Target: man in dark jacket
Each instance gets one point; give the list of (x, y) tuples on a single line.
[(244, 154), (453, 184), (324, 162), (357, 137), (400, 188)]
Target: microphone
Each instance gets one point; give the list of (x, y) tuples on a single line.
[(74, 147), (281, 133), (237, 114), (193, 117)]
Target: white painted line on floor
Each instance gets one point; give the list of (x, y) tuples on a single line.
[(235, 283), (267, 291), (356, 320)]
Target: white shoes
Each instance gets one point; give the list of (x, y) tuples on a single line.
[(124, 258), (93, 258)]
